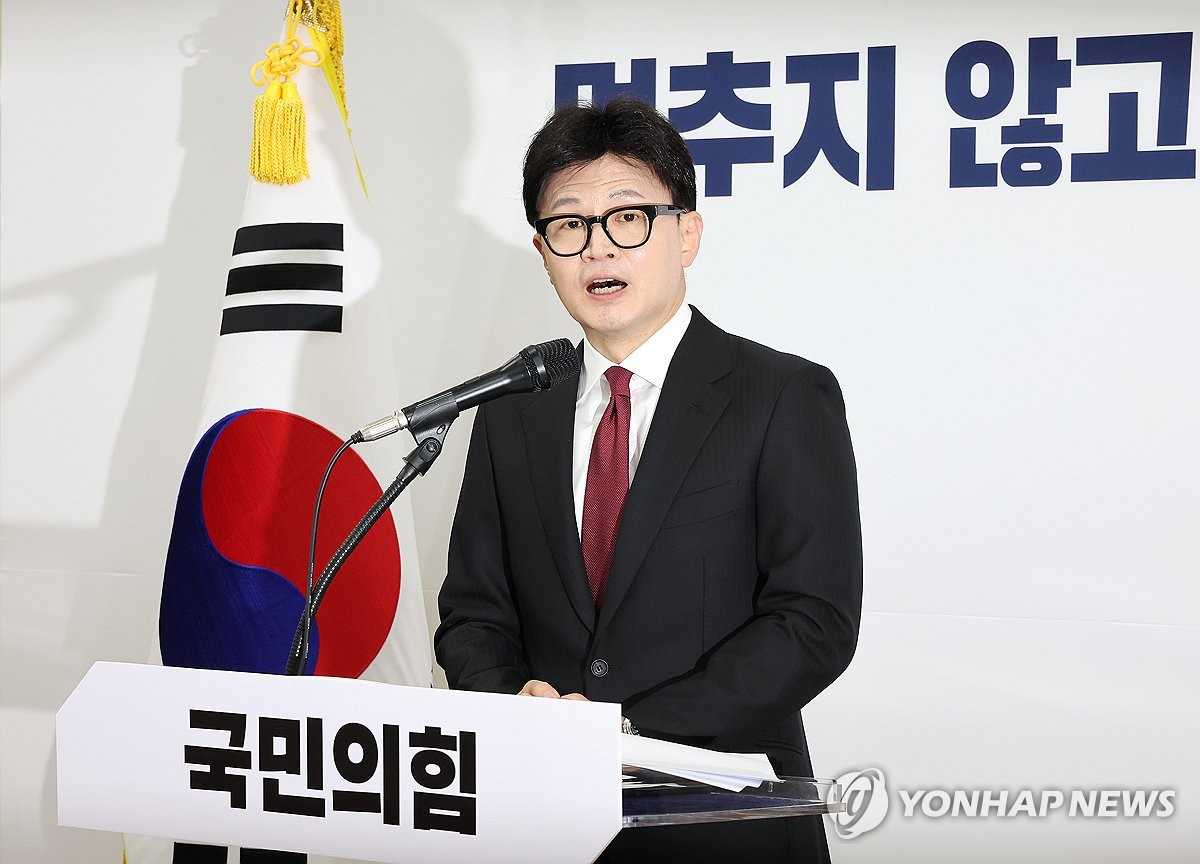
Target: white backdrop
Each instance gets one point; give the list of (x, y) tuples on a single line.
[(1019, 364)]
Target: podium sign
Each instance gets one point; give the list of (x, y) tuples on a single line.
[(338, 767)]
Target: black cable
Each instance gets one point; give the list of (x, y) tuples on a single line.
[(416, 463), (306, 620)]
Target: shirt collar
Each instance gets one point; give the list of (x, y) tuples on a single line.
[(649, 361)]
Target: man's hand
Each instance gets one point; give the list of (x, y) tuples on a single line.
[(538, 688), (546, 691)]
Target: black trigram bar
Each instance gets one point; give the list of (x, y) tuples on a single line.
[(288, 235), (283, 277), (282, 316)]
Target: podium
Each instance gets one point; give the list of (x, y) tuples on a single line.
[(360, 769)]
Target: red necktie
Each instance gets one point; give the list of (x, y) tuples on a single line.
[(607, 484)]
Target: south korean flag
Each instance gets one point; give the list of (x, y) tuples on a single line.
[(303, 358)]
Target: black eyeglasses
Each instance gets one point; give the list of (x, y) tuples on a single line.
[(627, 227)]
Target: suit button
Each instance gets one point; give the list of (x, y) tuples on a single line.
[(599, 667)]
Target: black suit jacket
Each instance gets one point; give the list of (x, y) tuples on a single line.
[(736, 582)]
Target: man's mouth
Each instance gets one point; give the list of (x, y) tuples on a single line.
[(605, 286)]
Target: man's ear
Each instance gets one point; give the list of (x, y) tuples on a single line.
[(540, 245), (691, 228)]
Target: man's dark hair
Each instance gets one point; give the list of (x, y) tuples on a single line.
[(626, 127)]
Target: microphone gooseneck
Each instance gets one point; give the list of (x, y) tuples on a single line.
[(535, 368)]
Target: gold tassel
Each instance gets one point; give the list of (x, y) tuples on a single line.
[(277, 152), (290, 133)]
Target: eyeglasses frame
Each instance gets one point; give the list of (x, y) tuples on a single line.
[(652, 211)]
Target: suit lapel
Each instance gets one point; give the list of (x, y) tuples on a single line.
[(694, 395), (548, 423)]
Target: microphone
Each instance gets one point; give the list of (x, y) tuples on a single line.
[(535, 368)]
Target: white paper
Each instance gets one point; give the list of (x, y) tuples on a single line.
[(733, 771)]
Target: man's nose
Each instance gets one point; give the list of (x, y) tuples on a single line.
[(598, 245)]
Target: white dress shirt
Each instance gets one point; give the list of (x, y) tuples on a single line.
[(648, 363)]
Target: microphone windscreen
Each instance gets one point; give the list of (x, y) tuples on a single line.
[(561, 360)]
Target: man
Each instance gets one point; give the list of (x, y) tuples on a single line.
[(679, 531)]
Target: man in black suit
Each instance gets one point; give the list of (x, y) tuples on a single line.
[(722, 592)]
